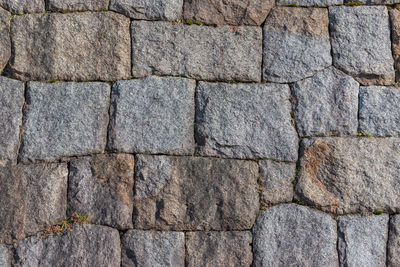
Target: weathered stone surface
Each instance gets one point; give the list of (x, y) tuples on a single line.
[(394, 242), (361, 43), (201, 194), (5, 43), (211, 249), (65, 119), (395, 24), (31, 197), (296, 43), (11, 103), (362, 240), (310, 3), (294, 235), (149, 10), (153, 115), (245, 121), (276, 181), (151, 248), (326, 104), (377, 2), (5, 256), (206, 53), (231, 12), (77, 5), (101, 187), (87, 245), (79, 46), (379, 113), (346, 175), (23, 6)]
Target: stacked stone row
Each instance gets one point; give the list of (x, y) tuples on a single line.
[(273, 141)]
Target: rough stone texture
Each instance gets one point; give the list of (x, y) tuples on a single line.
[(294, 235), (77, 5), (214, 249), (201, 194), (361, 43), (326, 104), (379, 114), (149, 10), (5, 43), (362, 240), (310, 3), (153, 115), (296, 43), (150, 248), (101, 186), (245, 121), (23, 6), (11, 103), (31, 197), (377, 2), (345, 175), (65, 119), (393, 256), (79, 46), (5, 256), (231, 12), (87, 245), (206, 53), (395, 24), (276, 181)]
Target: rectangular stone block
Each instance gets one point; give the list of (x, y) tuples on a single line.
[(65, 119), (310, 3), (348, 175), (153, 248), (379, 111), (153, 115), (393, 250), (11, 103), (245, 121), (23, 6), (148, 10), (87, 245), (191, 193), (75, 46), (361, 44), (218, 249), (362, 240), (101, 187), (5, 39), (5, 256), (31, 197), (77, 5), (201, 52)]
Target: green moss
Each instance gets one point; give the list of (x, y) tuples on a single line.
[(291, 5), (233, 82), (364, 134), (53, 81), (190, 22), (259, 180), (354, 3), (378, 212), (294, 182)]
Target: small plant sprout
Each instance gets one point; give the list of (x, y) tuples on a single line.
[(378, 212), (353, 3), (364, 134), (290, 5), (65, 224)]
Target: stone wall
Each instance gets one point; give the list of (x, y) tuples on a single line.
[(199, 133)]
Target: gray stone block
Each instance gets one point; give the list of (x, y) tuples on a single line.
[(5, 42), (200, 194), (293, 235), (101, 187), (326, 104), (346, 175), (362, 240), (23, 6), (32, 197), (148, 10), (231, 12), (395, 26), (64, 119), (77, 5), (361, 43), (218, 249), (310, 3), (5, 256), (276, 181), (393, 256), (85, 246), (201, 52), (379, 113), (79, 46), (296, 44), (151, 248), (11, 103), (153, 115), (245, 121)]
